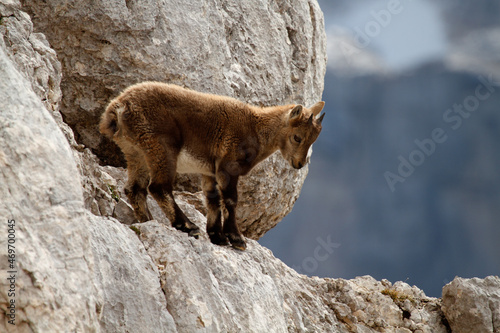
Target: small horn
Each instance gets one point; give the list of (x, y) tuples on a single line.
[(320, 119), (310, 120)]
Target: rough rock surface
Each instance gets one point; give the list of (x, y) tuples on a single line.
[(31, 53), (127, 280), (37, 62), (40, 192), (263, 52), (218, 289), (71, 267), (473, 305)]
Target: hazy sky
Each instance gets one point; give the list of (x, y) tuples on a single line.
[(401, 33)]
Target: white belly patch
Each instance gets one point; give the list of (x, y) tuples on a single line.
[(187, 163)]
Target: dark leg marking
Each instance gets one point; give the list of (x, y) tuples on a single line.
[(214, 215), (230, 197)]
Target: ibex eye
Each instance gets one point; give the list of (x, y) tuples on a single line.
[(297, 139)]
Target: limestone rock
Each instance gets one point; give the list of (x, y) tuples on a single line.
[(36, 60), (217, 289), (262, 52), (128, 281), (67, 277), (267, 195), (473, 305), (211, 288), (101, 191), (54, 285), (124, 212)]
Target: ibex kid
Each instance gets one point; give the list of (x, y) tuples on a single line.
[(163, 129)]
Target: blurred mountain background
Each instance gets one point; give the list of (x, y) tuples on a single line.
[(404, 182)]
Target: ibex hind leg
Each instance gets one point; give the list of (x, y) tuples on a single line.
[(136, 188), (162, 163)]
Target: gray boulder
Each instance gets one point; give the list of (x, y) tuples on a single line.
[(260, 52), (473, 305)]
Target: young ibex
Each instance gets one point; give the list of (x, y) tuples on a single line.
[(163, 129)]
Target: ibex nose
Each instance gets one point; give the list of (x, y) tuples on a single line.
[(298, 164)]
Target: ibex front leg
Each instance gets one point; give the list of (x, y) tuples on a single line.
[(214, 215), (228, 185)]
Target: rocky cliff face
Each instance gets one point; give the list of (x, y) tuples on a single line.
[(76, 269)]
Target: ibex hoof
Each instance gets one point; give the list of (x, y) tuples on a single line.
[(237, 242), (194, 233), (190, 228), (242, 246), (218, 238)]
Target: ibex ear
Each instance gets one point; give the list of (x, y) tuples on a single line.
[(296, 111), (316, 108)]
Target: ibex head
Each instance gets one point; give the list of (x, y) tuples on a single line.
[(303, 129)]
